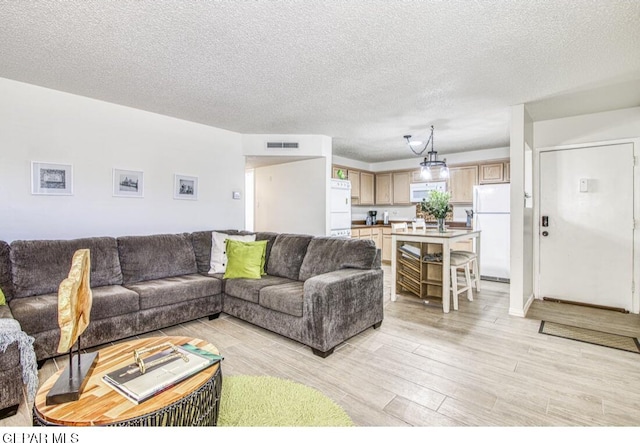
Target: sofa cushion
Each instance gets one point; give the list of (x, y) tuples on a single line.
[(248, 289), (39, 266), (201, 242), (270, 237), (219, 249), (172, 290), (6, 285), (152, 257), (40, 312), (245, 259), (327, 254), (287, 254), (285, 298)]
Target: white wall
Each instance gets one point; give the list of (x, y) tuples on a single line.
[(522, 219), (39, 124), (292, 197), (601, 126)]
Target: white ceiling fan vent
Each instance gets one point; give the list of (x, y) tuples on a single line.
[(282, 145)]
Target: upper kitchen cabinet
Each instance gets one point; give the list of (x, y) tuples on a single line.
[(335, 169), (384, 189), (362, 183), (416, 176), (366, 188), (401, 188), (494, 172), (462, 179), (354, 178)]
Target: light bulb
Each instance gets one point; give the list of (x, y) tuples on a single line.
[(444, 172), (425, 173)]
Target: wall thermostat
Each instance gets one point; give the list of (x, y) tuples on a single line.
[(236, 195)]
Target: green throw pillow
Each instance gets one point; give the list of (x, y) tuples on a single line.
[(3, 301), (245, 259)]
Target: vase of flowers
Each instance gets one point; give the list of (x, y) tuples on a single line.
[(437, 206)]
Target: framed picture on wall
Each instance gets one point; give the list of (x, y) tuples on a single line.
[(128, 183), (51, 178), (185, 187)]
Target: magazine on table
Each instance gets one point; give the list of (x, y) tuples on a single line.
[(172, 368)]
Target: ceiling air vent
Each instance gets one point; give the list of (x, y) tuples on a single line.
[(282, 145)]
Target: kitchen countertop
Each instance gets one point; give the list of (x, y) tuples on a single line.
[(451, 225)]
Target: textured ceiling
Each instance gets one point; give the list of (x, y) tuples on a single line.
[(362, 72)]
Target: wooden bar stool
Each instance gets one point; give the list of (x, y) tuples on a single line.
[(460, 261), (473, 263), (396, 227)]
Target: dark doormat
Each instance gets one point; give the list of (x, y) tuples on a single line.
[(615, 341)]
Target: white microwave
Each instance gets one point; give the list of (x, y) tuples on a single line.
[(420, 191)]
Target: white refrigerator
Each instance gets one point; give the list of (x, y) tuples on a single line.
[(491, 216)]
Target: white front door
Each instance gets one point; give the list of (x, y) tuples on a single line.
[(586, 249)]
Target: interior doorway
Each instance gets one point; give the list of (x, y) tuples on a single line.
[(586, 229)]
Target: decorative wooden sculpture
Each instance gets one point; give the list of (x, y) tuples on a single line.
[(74, 309)]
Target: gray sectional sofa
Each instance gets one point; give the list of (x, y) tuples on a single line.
[(319, 291)]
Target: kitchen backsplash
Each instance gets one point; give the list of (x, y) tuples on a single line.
[(403, 213)]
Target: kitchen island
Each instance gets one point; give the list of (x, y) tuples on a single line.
[(421, 260)]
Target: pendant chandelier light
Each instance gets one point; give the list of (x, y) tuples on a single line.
[(431, 167)]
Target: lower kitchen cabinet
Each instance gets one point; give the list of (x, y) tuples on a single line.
[(381, 236), (386, 245)]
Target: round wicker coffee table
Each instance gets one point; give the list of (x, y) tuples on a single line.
[(192, 402)]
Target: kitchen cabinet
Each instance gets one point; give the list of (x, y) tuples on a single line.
[(335, 169), (366, 188), (386, 245), (354, 178), (461, 182), (401, 188), (416, 176), (384, 189), (376, 236), (498, 172)]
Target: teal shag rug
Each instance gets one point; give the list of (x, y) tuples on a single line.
[(250, 401)]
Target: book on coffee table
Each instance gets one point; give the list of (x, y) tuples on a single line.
[(172, 369)]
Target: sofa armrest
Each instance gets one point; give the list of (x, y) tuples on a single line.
[(10, 374), (340, 304)]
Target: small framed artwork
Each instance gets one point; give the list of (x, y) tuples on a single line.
[(185, 187), (51, 178), (128, 183)]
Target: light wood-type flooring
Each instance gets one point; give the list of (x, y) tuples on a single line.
[(477, 366)]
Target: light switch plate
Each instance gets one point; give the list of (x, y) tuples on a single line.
[(584, 185), (236, 195)]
